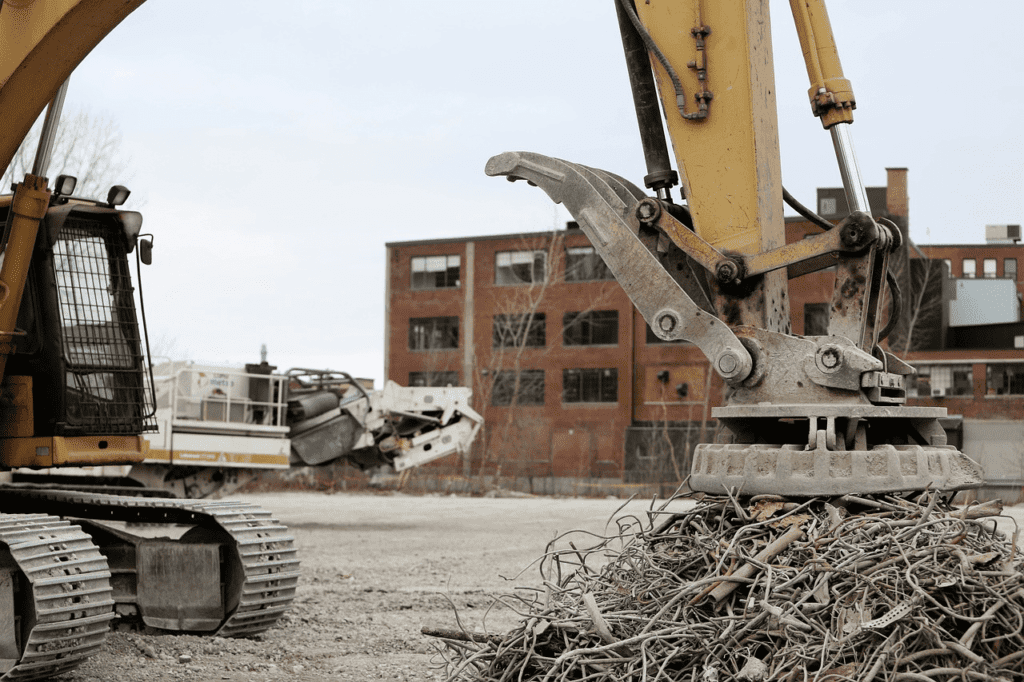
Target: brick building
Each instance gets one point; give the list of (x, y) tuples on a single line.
[(560, 363), (574, 388)]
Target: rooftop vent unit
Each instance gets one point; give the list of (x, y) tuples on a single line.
[(1002, 234)]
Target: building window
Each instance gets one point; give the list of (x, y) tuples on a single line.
[(422, 379), (827, 206), (584, 264), (516, 331), (970, 268), (431, 333), (435, 272), (1010, 268), (1005, 379), (591, 328), (988, 268), (530, 390), (816, 319), (590, 385), (520, 267), (940, 381), (949, 267)]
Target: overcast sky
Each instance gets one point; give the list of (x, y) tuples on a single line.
[(277, 146)]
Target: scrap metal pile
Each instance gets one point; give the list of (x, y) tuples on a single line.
[(846, 589)]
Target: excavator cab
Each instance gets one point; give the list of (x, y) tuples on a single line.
[(77, 389)]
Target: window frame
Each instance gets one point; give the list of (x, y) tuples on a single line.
[(1010, 275), (583, 324), (431, 379), (973, 273), (1012, 379), (446, 271), (504, 385), (816, 307), (989, 268), (586, 260), (441, 325), (575, 389), (538, 260), (957, 379), (526, 330)]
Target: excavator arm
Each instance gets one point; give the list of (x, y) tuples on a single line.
[(805, 415), (41, 43)]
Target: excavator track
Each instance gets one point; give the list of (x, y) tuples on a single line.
[(71, 597), (264, 569)]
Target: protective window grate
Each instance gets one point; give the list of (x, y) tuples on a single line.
[(108, 388)]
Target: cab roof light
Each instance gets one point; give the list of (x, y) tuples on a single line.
[(64, 186), (117, 195)]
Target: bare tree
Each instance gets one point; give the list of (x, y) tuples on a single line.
[(519, 333), (926, 300), (514, 330), (86, 146), (921, 323), (167, 348)]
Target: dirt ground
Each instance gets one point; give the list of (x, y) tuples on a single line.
[(375, 569)]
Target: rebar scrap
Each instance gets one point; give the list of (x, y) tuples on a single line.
[(872, 589)]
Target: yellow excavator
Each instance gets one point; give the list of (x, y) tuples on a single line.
[(77, 391), (805, 416)]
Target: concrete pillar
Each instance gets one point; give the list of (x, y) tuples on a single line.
[(468, 315), (387, 315), (468, 337)]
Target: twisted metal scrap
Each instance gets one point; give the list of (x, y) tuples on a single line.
[(827, 590)]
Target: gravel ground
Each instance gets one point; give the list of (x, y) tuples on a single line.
[(376, 568)]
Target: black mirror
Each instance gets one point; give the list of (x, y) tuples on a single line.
[(146, 251)]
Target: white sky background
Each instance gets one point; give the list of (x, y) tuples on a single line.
[(278, 146)]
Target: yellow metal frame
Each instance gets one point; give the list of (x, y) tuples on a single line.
[(728, 161), (72, 451), (830, 92), (31, 199), (41, 43)]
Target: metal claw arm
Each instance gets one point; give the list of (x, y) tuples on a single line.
[(605, 206)]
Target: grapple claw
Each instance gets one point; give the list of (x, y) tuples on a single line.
[(604, 205)]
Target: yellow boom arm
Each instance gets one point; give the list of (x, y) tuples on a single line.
[(41, 43)]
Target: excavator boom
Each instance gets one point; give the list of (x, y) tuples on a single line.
[(41, 43)]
